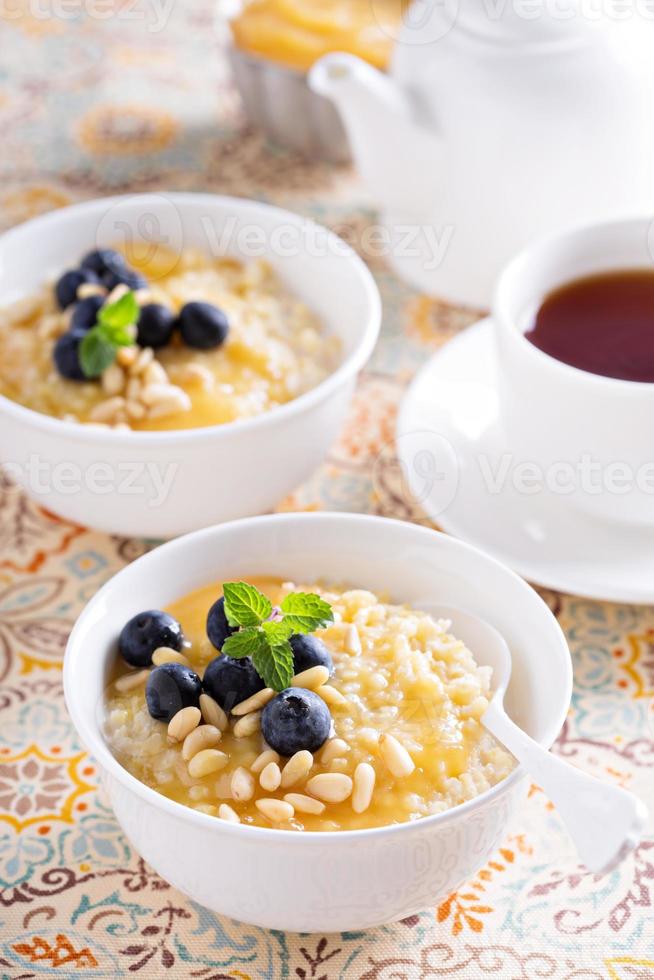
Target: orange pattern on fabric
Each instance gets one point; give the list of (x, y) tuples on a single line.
[(62, 953)]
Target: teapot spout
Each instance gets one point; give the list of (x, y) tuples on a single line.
[(378, 114), (356, 88)]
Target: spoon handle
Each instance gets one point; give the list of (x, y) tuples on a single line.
[(604, 821)]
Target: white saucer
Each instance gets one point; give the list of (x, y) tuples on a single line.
[(452, 448)]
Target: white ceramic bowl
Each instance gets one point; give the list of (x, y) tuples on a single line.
[(321, 881), (161, 484)]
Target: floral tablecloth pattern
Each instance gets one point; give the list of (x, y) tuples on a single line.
[(102, 96)]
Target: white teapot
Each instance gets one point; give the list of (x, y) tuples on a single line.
[(500, 120)]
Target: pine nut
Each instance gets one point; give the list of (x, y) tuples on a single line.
[(133, 389), (305, 804), (179, 402), (242, 784), (198, 792), (206, 762), (126, 356), (352, 640), (271, 777), (166, 655), (203, 737), (247, 725), (107, 411), (207, 808), (194, 374), (183, 723), (331, 787), (141, 361), (113, 379), (297, 767), (212, 713), (117, 293), (155, 373), (154, 394), (128, 682), (135, 410), (395, 756), (364, 784), (312, 678), (263, 760), (88, 289), (276, 810), (330, 695), (333, 748), (253, 703), (225, 812)]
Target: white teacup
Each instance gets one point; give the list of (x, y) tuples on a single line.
[(589, 435)]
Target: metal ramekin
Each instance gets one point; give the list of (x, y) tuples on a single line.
[(278, 101)]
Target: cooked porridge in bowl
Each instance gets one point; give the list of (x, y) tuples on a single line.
[(167, 342), (327, 709)]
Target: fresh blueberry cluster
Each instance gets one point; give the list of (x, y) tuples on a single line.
[(200, 325), (293, 720)]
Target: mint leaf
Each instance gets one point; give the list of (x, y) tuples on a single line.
[(274, 664), (121, 314), (277, 632), (245, 643), (245, 605), (96, 353), (306, 612)]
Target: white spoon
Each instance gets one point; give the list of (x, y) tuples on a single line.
[(604, 821)]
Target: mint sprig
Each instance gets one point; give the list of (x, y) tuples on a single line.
[(264, 632), (100, 345)]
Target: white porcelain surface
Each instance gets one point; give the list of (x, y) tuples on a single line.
[(451, 413), (498, 123), (555, 413), (217, 473), (314, 881)]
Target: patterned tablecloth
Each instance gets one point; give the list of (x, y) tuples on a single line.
[(115, 95)]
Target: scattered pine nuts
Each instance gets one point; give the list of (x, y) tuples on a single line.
[(126, 356), (331, 787), (276, 810), (183, 723), (117, 293), (166, 655), (107, 410), (364, 784), (212, 713), (395, 756), (305, 804), (225, 812), (352, 640), (261, 761), (141, 361), (247, 725), (297, 767), (332, 749), (242, 784), (312, 678), (254, 703), (206, 762), (128, 682), (330, 695), (271, 777), (203, 737), (88, 289)]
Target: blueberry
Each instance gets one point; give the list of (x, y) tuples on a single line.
[(66, 355), (69, 283), (294, 720), (309, 651), (103, 261), (203, 326), (85, 313), (141, 636), (218, 629), (126, 276), (170, 688), (230, 681), (155, 326)]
